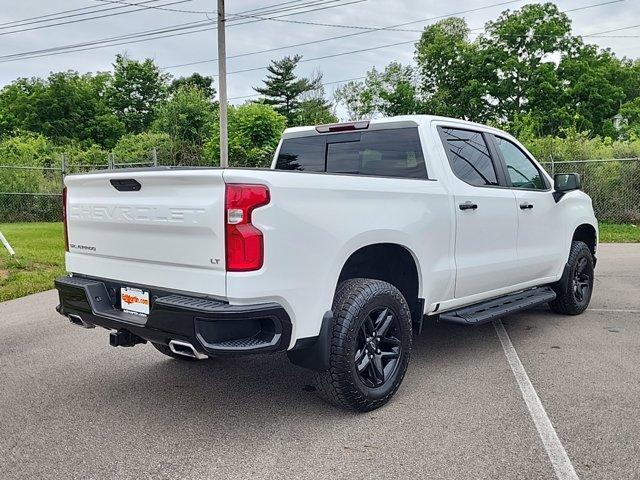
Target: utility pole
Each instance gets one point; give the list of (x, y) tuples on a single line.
[(222, 86)]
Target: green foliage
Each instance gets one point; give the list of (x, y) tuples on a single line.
[(188, 118), (453, 73), (254, 133), (612, 185), (63, 107), (315, 111), (388, 93), (138, 148), (39, 258), (286, 92), (619, 233), (522, 44), (527, 73), (195, 80), (135, 91)]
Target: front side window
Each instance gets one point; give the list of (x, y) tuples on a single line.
[(469, 156), (521, 170), (389, 153)]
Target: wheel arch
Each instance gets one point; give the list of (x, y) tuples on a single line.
[(390, 262), (587, 233)]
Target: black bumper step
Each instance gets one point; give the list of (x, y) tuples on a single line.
[(210, 325), (499, 307)]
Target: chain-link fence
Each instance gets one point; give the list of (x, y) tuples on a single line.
[(613, 184), (32, 193)]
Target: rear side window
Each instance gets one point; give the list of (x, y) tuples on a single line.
[(469, 156), (303, 153), (389, 153)]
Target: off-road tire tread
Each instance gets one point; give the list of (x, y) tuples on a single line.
[(336, 384)]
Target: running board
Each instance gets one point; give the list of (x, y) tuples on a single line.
[(499, 307)]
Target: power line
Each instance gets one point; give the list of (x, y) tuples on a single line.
[(94, 8), (333, 55), (338, 37), (67, 22), (371, 30), (375, 29), (324, 84), (159, 7), (154, 34)]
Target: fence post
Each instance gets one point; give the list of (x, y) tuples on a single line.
[(154, 155), (111, 161), (63, 166), (553, 168)]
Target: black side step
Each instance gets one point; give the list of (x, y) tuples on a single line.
[(499, 307)]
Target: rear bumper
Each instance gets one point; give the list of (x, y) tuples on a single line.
[(211, 326)]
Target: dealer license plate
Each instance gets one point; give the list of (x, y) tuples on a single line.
[(134, 300)]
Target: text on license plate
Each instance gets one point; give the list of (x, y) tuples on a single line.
[(134, 300)]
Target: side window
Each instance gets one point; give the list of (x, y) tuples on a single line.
[(303, 153), (469, 156), (389, 153), (521, 170)]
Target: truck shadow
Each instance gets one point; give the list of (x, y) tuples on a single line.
[(261, 387)]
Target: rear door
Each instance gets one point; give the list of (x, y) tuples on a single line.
[(540, 233), (486, 217), (162, 228)]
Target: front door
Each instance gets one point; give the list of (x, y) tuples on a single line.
[(540, 234), (486, 215)]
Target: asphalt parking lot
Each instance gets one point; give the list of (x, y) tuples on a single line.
[(71, 406)]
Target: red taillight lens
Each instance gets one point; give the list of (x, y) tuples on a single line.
[(64, 219), (244, 242)]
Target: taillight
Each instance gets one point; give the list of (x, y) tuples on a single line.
[(64, 219), (244, 242)]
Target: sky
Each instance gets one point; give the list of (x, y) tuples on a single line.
[(259, 34)]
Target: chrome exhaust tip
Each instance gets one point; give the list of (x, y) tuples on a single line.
[(77, 320), (185, 349)]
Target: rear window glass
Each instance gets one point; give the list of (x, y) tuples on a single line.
[(389, 153)]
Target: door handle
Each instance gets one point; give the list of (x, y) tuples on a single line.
[(526, 206), (468, 206)]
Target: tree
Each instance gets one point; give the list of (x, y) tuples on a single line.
[(136, 89), (200, 82), (524, 45), (66, 106), (387, 93), (314, 108), (283, 89), (593, 93), (454, 74), (254, 133), (188, 118)]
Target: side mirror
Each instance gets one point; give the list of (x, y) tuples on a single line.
[(565, 182)]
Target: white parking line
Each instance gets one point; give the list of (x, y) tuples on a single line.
[(612, 310), (556, 452)]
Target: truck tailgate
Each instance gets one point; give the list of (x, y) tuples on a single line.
[(169, 233)]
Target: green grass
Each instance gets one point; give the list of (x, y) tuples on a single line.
[(40, 254), (619, 233), (38, 260)]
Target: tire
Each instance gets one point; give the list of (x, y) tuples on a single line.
[(167, 351), (575, 298), (361, 306)]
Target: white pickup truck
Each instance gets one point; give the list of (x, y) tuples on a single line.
[(333, 255)]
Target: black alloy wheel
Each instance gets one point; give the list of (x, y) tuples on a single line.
[(378, 347)]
